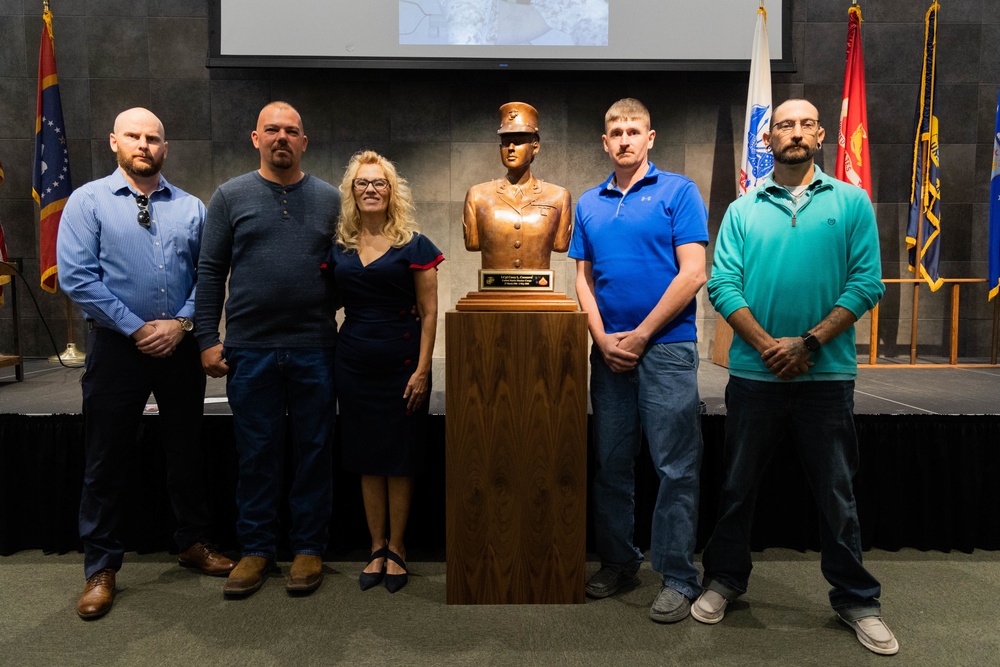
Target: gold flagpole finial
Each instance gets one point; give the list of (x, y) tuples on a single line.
[(45, 5)]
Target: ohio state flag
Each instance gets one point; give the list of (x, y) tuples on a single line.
[(853, 162)]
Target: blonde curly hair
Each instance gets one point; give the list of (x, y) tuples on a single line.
[(401, 224)]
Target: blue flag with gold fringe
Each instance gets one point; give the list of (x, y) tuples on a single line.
[(994, 250), (923, 230)]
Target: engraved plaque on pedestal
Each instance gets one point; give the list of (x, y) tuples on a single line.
[(516, 280)]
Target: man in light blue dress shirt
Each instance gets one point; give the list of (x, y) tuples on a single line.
[(127, 253)]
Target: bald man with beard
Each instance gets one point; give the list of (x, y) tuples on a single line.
[(269, 232), (127, 253), (797, 263)]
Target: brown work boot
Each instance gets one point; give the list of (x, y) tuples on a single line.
[(306, 574), (248, 575), (98, 595), (202, 557)]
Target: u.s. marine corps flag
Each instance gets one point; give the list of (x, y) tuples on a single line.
[(757, 160), (50, 182), (853, 162), (994, 250), (923, 231)]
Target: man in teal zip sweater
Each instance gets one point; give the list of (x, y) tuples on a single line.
[(796, 264)]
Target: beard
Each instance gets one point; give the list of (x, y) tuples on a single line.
[(789, 154), (129, 165), (281, 160)]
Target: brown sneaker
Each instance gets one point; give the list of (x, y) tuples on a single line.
[(98, 595), (306, 574), (248, 575), (203, 557)]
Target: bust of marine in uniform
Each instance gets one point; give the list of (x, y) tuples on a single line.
[(518, 220)]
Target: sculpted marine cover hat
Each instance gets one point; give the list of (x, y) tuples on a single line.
[(518, 117)]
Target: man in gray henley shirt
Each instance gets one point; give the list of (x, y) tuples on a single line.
[(269, 231)]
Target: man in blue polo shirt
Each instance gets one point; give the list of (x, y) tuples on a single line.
[(640, 243)]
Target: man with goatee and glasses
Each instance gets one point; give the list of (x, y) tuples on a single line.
[(796, 264)]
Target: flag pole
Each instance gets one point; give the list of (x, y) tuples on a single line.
[(996, 331), (71, 353), (917, 263)]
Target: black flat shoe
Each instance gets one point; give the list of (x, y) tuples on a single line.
[(370, 579), (393, 582)]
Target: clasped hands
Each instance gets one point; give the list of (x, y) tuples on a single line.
[(787, 358), (622, 350), (159, 338)]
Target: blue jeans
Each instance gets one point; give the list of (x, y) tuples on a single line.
[(660, 397), (263, 386), (819, 419)]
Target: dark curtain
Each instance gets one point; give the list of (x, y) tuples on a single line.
[(927, 482)]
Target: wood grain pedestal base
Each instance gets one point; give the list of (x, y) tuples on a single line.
[(516, 470)]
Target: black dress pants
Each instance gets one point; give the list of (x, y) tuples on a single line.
[(117, 381)]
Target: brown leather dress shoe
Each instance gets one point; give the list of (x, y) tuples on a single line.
[(306, 574), (206, 559), (98, 595), (248, 575)]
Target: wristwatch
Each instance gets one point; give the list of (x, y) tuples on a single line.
[(812, 343), (186, 324)]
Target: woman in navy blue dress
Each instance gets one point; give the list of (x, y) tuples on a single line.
[(386, 278)]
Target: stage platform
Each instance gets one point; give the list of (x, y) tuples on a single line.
[(929, 442), (49, 388)]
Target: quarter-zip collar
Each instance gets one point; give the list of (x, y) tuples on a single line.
[(780, 197)]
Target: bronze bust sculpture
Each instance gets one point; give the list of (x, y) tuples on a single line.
[(518, 220)]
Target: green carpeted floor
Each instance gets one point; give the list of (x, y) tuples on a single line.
[(942, 607)]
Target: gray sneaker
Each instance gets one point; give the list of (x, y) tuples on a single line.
[(669, 606), (710, 607), (874, 635), (610, 579)]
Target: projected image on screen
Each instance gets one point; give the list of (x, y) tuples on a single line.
[(504, 22)]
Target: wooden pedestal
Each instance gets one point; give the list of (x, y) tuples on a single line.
[(723, 339), (519, 301), (516, 406)]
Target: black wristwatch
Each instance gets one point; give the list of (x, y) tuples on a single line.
[(812, 343), (186, 324)]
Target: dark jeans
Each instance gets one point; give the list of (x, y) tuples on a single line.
[(264, 386), (818, 417), (116, 383)]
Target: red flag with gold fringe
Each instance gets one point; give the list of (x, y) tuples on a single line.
[(853, 161)]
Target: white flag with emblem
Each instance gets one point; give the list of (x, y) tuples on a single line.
[(757, 160)]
